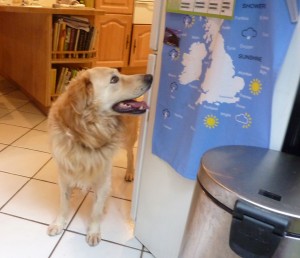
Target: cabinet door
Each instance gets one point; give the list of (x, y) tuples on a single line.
[(140, 48), (115, 6), (113, 40)]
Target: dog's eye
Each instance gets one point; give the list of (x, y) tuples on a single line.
[(114, 79)]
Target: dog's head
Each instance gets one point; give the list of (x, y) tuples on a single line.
[(110, 91)]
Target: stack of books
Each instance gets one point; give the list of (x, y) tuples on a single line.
[(72, 33), (60, 78)]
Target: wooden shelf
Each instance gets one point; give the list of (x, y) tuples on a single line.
[(72, 57)]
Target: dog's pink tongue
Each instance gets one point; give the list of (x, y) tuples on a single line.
[(139, 104)]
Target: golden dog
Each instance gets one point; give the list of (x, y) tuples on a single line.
[(86, 129)]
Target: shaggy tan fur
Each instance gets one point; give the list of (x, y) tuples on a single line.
[(85, 131)]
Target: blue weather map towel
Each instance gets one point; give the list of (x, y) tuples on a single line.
[(216, 87)]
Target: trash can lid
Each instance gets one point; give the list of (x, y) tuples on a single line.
[(266, 178)]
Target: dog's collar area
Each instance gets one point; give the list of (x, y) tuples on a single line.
[(131, 106)]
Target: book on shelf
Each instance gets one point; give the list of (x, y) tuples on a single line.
[(62, 37), (55, 36), (58, 87), (63, 75), (53, 74), (67, 38), (72, 33)]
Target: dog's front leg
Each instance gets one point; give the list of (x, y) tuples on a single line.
[(130, 167), (58, 224), (101, 193)]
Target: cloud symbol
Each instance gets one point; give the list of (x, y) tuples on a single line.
[(249, 33), (174, 54), (173, 86), (188, 21), (166, 113), (242, 118)]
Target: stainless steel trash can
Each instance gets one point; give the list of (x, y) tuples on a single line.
[(246, 204)]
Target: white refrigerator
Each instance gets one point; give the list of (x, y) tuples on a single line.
[(161, 197)]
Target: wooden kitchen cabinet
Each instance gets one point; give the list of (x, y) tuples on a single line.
[(140, 48), (115, 6), (114, 40)]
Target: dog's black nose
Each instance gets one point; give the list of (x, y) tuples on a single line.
[(148, 78)]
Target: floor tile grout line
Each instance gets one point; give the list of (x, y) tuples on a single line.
[(23, 218), (145, 251), (15, 125), (68, 230), (14, 174), (30, 130), (7, 145), (26, 148), (54, 183), (10, 111), (28, 101), (29, 179), (11, 143), (23, 111), (1, 208), (14, 88), (26, 113), (120, 198), (105, 240), (46, 117), (39, 170), (112, 242)]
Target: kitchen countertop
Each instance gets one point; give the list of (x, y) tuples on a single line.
[(49, 10)]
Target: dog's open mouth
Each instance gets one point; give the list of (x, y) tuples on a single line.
[(131, 106)]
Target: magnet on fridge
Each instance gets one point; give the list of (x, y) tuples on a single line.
[(171, 37)]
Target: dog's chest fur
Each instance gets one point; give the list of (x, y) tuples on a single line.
[(84, 145)]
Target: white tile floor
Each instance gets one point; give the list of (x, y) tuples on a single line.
[(29, 193)]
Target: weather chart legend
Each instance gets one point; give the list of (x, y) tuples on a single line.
[(206, 7)]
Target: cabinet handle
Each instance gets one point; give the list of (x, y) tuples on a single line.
[(134, 46), (127, 41)]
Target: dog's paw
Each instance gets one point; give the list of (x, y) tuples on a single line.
[(93, 239), (128, 176), (54, 229)]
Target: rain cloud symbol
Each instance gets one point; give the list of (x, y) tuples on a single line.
[(188, 21), (173, 86), (249, 33), (174, 54), (166, 113)]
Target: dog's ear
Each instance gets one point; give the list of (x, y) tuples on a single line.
[(81, 93)]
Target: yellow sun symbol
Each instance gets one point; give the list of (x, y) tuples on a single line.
[(255, 86), (211, 121)]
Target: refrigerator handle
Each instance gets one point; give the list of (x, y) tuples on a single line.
[(156, 22)]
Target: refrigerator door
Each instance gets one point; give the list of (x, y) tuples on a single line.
[(163, 200), (156, 23), (161, 197), (142, 139)]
